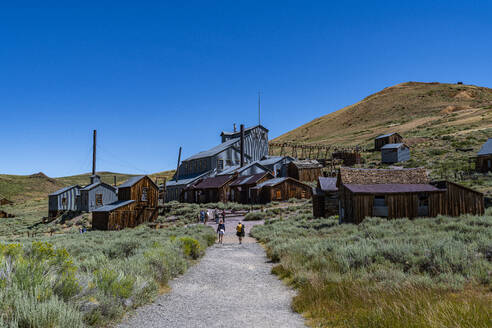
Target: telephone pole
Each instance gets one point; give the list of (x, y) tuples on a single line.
[(94, 154)]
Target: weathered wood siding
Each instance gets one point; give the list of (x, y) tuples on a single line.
[(128, 216), (483, 164), (325, 204), (395, 138), (303, 174), (135, 193), (457, 200), (283, 191)]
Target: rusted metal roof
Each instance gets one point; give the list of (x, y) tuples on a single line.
[(328, 184), (387, 135), (215, 182), (391, 188)]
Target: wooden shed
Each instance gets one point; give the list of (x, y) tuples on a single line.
[(386, 193), (349, 158), (241, 187), (137, 203), (325, 197), (305, 170), (63, 200), (280, 189), (458, 200), (390, 138), (483, 162), (96, 194), (214, 189), (395, 153)]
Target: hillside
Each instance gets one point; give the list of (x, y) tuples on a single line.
[(444, 124), (35, 186)]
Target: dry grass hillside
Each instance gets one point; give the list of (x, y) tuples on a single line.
[(444, 125)]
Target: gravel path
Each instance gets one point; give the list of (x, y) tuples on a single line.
[(231, 286)]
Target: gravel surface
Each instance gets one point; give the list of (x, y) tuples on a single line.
[(231, 286)]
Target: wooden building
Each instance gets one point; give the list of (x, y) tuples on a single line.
[(349, 158), (390, 138), (215, 189), (280, 189), (458, 200), (395, 153), (483, 161), (277, 165), (5, 201), (241, 186), (63, 200), (97, 194), (137, 203), (305, 170), (325, 197)]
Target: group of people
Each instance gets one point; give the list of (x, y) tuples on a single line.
[(206, 215)]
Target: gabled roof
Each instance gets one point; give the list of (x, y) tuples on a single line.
[(382, 176), (274, 160), (62, 190), (130, 182), (215, 150), (113, 206), (187, 181), (307, 164), (396, 188), (271, 182), (249, 179), (92, 186), (215, 182), (239, 169), (486, 148), (393, 146), (245, 130), (328, 184), (387, 135)]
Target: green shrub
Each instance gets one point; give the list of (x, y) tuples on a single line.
[(255, 216), (191, 247)]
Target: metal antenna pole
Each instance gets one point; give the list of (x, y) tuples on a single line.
[(94, 154)]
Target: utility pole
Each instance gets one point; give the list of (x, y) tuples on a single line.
[(177, 168), (94, 154)]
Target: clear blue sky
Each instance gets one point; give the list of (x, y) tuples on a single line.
[(153, 76)]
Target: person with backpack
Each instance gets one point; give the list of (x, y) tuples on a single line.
[(240, 232), (221, 231)]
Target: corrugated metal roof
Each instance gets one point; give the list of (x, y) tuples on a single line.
[(271, 182), (182, 182), (390, 188), (393, 146), (386, 135), (307, 163), (62, 190), (248, 179), (239, 169), (130, 182), (274, 159), (245, 130), (113, 206), (215, 182), (215, 150), (486, 148), (328, 184), (89, 187)]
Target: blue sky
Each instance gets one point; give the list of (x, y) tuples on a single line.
[(153, 76)]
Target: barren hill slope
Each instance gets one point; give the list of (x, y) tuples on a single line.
[(407, 108)]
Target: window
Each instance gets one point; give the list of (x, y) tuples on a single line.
[(144, 194), (64, 201), (380, 208), (278, 194), (228, 162), (99, 200), (423, 209), (489, 164), (220, 164)]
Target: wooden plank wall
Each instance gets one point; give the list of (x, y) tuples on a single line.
[(402, 205), (481, 163)]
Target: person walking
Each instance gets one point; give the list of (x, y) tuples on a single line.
[(223, 215), (221, 231), (240, 232), (207, 216), (202, 216), (216, 214)]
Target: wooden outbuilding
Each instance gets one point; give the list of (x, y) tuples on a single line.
[(241, 187), (96, 195), (348, 158), (483, 162), (325, 197), (390, 138), (458, 200), (63, 200), (305, 170), (395, 153), (137, 203), (215, 189), (280, 189)]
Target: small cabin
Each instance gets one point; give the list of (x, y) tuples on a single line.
[(137, 203), (280, 189), (390, 138), (305, 170), (63, 200), (348, 158), (96, 194), (241, 187), (458, 200), (395, 153), (483, 162), (215, 189), (325, 197)]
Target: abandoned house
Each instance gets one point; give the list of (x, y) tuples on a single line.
[(325, 197), (348, 158), (241, 186), (277, 165), (62, 200), (390, 138), (402, 193), (219, 158), (395, 153), (304, 170), (96, 194), (214, 189), (279, 189), (137, 203), (483, 162)]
